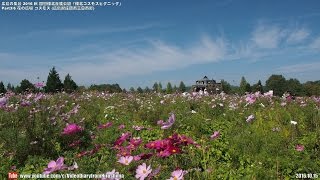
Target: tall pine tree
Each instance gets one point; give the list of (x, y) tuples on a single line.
[(243, 86), (10, 87), (155, 86), (159, 87), (182, 87), (53, 82), (69, 85), (2, 88), (169, 88)]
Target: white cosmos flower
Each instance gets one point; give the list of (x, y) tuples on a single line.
[(294, 122)]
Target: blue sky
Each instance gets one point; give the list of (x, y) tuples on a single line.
[(141, 42)]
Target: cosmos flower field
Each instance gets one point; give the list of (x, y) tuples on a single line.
[(158, 136)]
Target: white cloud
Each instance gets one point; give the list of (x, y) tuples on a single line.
[(315, 44), (267, 36), (96, 63), (271, 36), (83, 31), (297, 68), (297, 36), (158, 57)]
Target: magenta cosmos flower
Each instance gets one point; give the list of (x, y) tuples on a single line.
[(55, 166), (143, 171), (299, 147), (122, 138), (71, 129)]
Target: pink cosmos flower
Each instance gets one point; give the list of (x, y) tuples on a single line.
[(283, 104), (269, 93), (73, 167), (121, 126), (75, 143), (126, 160), (137, 158), (55, 166), (177, 175), (39, 84), (83, 153), (250, 118), (169, 123), (3, 101), (25, 103), (71, 129), (299, 147), (215, 135), (106, 125), (155, 172), (137, 128), (250, 99), (38, 97), (143, 171)]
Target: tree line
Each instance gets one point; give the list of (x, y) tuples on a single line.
[(277, 83), (53, 85), (157, 87)]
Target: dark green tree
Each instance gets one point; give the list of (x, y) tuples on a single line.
[(159, 88), (155, 87), (10, 87), (175, 89), (25, 85), (53, 82), (277, 83), (295, 87), (69, 85), (139, 90), (311, 88), (248, 88), (257, 87), (243, 86), (147, 90), (226, 87), (2, 88), (132, 90), (169, 88), (182, 87)]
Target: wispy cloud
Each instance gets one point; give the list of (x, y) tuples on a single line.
[(84, 31), (297, 36), (270, 36), (297, 68), (159, 56), (265, 36), (316, 44), (96, 63)]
